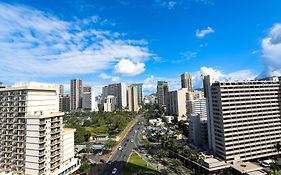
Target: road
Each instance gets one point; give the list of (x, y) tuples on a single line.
[(120, 158)]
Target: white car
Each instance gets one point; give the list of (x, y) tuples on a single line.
[(131, 140), (120, 148), (114, 171)]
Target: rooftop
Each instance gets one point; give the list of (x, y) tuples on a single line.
[(68, 130), (246, 167)]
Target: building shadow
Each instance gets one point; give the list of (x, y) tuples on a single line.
[(123, 168)]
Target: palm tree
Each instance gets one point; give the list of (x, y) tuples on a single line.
[(277, 146), (274, 167)]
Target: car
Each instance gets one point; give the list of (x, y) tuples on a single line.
[(109, 162), (120, 148), (131, 140), (100, 153), (125, 144), (114, 171)]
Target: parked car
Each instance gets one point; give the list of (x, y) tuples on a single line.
[(114, 171)]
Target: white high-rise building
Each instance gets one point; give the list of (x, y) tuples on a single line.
[(89, 101), (196, 103), (133, 103), (32, 137), (76, 92), (244, 120), (110, 103), (176, 103), (119, 90)]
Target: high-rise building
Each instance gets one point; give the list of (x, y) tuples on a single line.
[(110, 103), (176, 103), (87, 88), (196, 104), (162, 93), (119, 91), (89, 100), (198, 131), (186, 81), (33, 141), (61, 90), (76, 92), (139, 92), (244, 119), (64, 103), (133, 103)]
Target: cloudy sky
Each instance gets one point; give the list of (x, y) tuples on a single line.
[(131, 41)]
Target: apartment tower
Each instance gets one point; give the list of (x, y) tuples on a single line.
[(132, 100), (186, 81), (32, 137), (244, 119), (76, 92), (162, 93), (119, 91)]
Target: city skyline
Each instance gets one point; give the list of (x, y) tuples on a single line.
[(101, 44)]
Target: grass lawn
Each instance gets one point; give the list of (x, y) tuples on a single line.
[(97, 130), (136, 164)]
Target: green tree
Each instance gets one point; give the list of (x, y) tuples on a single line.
[(109, 144), (277, 146), (274, 167)]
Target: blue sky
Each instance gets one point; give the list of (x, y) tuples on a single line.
[(103, 42)]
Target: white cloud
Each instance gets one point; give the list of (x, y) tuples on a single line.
[(34, 44), (169, 4), (129, 68), (106, 76), (202, 33), (218, 75), (271, 52)]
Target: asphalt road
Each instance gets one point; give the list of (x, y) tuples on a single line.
[(119, 158)]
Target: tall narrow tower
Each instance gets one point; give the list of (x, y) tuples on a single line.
[(186, 81), (76, 92)]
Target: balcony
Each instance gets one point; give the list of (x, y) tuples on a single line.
[(54, 154)]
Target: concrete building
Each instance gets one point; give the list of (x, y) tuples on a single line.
[(87, 89), (196, 104), (32, 141), (132, 95), (64, 103), (76, 92), (119, 91), (186, 81), (89, 101), (139, 93), (176, 103), (162, 93), (110, 103), (244, 119), (61, 89), (198, 130)]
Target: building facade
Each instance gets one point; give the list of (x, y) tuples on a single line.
[(162, 93), (76, 92), (139, 93), (176, 103), (198, 130), (186, 81), (110, 103), (118, 90), (132, 94), (64, 103), (244, 119), (31, 132)]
